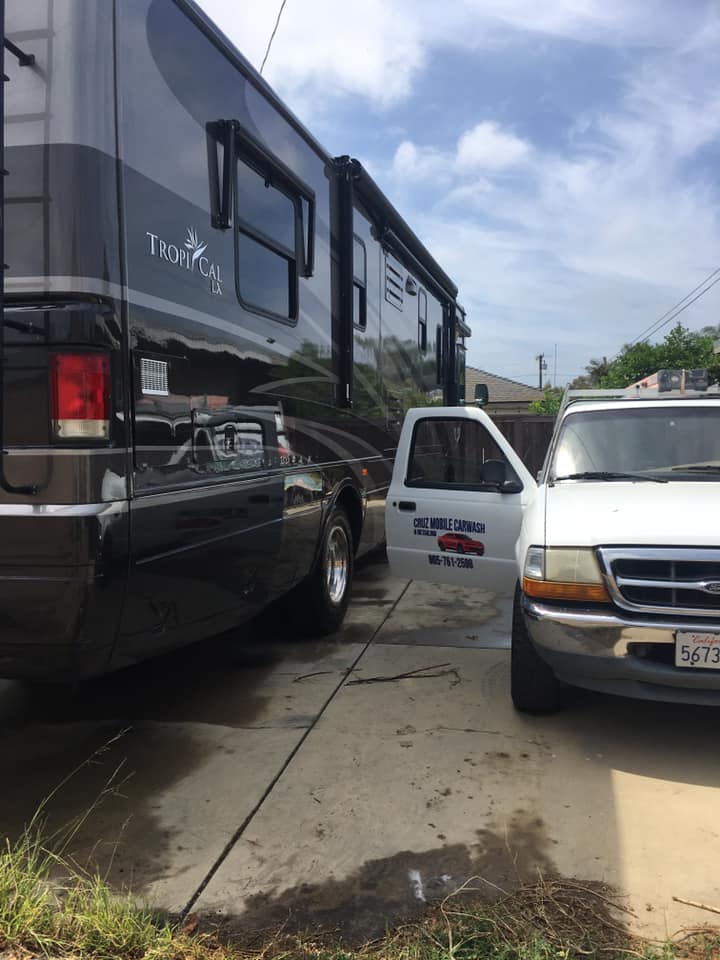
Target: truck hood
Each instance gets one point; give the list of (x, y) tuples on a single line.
[(589, 513)]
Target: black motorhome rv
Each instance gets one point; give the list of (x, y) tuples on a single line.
[(211, 331)]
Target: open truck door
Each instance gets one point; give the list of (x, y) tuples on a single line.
[(456, 501)]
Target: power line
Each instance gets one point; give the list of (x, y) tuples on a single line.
[(657, 323), (272, 35), (689, 303), (669, 315)]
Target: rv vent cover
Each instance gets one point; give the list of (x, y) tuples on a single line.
[(154, 377), (394, 281)]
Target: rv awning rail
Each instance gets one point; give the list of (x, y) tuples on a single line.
[(396, 230)]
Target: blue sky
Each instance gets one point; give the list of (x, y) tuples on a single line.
[(560, 159)]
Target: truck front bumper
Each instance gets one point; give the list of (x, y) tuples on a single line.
[(602, 650)]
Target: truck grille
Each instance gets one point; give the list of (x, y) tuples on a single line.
[(658, 580)]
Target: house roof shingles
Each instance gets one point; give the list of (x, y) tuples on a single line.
[(500, 389)]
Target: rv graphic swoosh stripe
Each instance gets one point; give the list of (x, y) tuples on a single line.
[(104, 288)]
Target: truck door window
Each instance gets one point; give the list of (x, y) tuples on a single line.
[(451, 453)]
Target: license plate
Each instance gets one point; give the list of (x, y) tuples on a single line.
[(697, 650)]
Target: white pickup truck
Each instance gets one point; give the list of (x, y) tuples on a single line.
[(612, 557)]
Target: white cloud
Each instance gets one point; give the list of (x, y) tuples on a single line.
[(420, 163), (487, 147), (595, 21), (321, 53), (676, 100), (484, 149), (376, 49)]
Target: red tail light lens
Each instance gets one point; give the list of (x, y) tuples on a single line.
[(81, 396)]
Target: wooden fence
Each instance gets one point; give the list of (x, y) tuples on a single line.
[(529, 436)]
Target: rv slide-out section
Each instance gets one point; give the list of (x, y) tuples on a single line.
[(211, 333)]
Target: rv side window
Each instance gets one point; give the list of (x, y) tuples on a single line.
[(268, 227), (422, 320), (359, 283)]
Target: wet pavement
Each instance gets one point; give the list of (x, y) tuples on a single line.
[(262, 780), (172, 755)]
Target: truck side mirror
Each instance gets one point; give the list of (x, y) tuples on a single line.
[(481, 394), (511, 486)]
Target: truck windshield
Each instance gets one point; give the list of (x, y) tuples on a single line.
[(678, 443)]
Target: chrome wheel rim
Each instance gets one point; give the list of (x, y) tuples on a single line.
[(337, 563)]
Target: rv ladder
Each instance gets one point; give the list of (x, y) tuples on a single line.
[(25, 60)]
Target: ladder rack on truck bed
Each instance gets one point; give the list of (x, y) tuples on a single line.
[(637, 393)]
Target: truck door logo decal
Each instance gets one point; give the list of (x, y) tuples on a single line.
[(452, 536), (187, 256)]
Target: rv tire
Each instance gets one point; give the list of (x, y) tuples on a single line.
[(324, 597)]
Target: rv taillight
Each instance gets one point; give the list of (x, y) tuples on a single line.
[(80, 396)]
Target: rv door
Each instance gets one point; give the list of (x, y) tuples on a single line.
[(456, 501)]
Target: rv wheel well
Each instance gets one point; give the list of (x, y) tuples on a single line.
[(350, 502)]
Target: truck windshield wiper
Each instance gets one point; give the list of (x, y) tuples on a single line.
[(608, 475), (701, 467)]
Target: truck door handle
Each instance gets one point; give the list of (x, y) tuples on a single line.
[(408, 505)]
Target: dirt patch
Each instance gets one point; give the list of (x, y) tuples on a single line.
[(397, 889)]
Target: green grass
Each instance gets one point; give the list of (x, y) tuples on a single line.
[(49, 907)]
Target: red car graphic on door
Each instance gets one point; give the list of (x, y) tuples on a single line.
[(460, 543)]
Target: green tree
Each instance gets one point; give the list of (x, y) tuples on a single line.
[(713, 332), (550, 403), (594, 373), (681, 349)]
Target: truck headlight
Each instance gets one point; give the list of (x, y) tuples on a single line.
[(563, 573)]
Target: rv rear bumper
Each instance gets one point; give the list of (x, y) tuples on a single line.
[(42, 633), (58, 620)]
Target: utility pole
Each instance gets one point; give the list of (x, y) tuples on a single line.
[(542, 365)]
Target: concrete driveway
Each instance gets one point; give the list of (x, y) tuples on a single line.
[(262, 780)]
